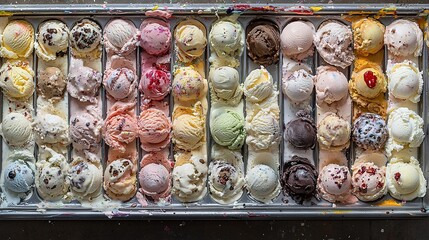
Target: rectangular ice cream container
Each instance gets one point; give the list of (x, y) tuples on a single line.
[(245, 207)]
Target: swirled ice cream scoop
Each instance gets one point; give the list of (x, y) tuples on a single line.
[(120, 37), (155, 83), (120, 181), (52, 40), (16, 79), (17, 40)]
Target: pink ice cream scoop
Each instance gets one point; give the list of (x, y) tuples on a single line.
[(154, 176), (120, 127), (83, 82), (155, 83), (155, 36), (120, 82), (120, 37), (85, 132), (154, 130)]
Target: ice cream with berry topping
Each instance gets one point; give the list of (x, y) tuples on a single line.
[(17, 40), (369, 181), (85, 39), (155, 83), (370, 132), (16, 79), (404, 38), (335, 183), (190, 39), (155, 37), (120, 37), (52, 40)]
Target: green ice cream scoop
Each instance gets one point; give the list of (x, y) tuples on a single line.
[(227, 130)]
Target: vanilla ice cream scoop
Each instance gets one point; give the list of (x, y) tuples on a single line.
[(85, 178), (85, 39), (298, 86), (333, 132), (190, 39), (258, 85), (404, 38), (17, 40), (225, 86), (263, 130), (405, 81), (263, 183), (297, 40), (227, 38), (120, 37), (16, 79), (331, 85), (52, 40), (16, 129)]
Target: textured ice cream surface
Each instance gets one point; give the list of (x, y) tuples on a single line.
[(85, 179), (263, 130), (19, 172), (51, 173), (190, 39), (155, 83), (85, 39), (120, 37), (155, 176), (83, 82), (51, 84), (258, 85), (404, 38), (405, 180), (335, 183), (333, 132), (301, 132), (334, 42), (50, 128), (405, 81), (405, 129), (368, 36), (52, 40), (120, 126), (263, 42), (299, 179), (298, 86), (120, 181), (16, 129), (17, 40), (370, 132), (85, 132), (188, 84), (154, 130), (262, 182), (188, 127), (227, 38), (331, 85), (369, 181), (225, 85), (155, 37), (16, 79), (227, 129), (120, 82), (297, 40)]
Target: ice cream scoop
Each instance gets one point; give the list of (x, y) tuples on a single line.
[(188, 127), (262, 182), (119, 82), (85, 132), (298, 86), (155, 36), (154, 130), (370, 131), (83, 82), (263, 130), (297, 40), (331, 85), (16, 79), (227, 129), (369, 181), (405, 180), (258, 85), (190, 39), (155, 83), (404, 38), (16, 129), (120, 126), (120, 37), (188, 84), (225, 85), (120, 180), (155, 176), (299, 179), (301, 132), (52, 40), (85, 179), (333, 132), (51, 84), (335, 183), (85, 39), (51, 173), (405, 129), (263, 42), (19, 172), (227, 37), (50, 128), (17, 40), (368, 36), (334, 42), (405, 81)]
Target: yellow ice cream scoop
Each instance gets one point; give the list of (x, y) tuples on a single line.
[(191, 40), (17, 40), (368, 35), (16, 79), (188, 127), (368, 81), (188, 84)]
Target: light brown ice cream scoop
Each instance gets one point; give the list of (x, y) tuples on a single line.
[(51, 84)]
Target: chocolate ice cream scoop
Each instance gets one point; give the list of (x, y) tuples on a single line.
[(52, 83), (263, 42), (301, 132), (299, 179)]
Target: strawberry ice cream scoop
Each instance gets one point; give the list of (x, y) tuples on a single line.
[(154, 130), (120, 37), (155, 176), (155, 84), (85, 132), (155, 36), (120, 82)]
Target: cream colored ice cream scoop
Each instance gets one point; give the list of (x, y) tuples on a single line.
[(17, 40)]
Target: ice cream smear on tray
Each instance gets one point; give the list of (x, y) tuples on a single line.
[(52, 40), (17, 40), (297, 40), (263, 42)]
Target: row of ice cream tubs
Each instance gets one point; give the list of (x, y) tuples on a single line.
[(236, 113)]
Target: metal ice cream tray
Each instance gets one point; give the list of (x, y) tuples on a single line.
[(245, 208)]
